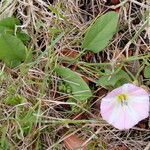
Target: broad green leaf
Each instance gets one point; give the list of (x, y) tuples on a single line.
[(80, 89), (147, 72), (23, 37), (4, 29), (116, 79), (12, 50), (101, 32), (9, 22), (7, 25)]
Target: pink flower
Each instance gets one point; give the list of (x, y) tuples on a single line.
[(125, 106)]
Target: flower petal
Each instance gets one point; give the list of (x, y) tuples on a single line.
[(140, 105), (133, 89), (125, 114), (107, 109), (127, 118)]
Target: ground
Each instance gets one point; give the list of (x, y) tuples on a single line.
[(38, 111)]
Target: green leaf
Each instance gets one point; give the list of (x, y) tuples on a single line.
[(147, 72), (6, 30), (114, 80), (27, 120), (12, 50), (9, 22), (80, 89), (23, 37), (101, 32), (15, 100), (4, 144), (7, 25)]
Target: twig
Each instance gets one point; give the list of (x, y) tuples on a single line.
[(133, 1), (140, 4), (147, 147)]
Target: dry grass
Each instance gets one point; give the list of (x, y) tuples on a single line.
[(44, 117)]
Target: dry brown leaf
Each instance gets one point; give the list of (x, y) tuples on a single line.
[(142, 125), (69, 53), (115, 2), (73, 142), (79, 116), (88, 56)]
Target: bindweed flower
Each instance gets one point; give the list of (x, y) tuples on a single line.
[(125, 106)]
